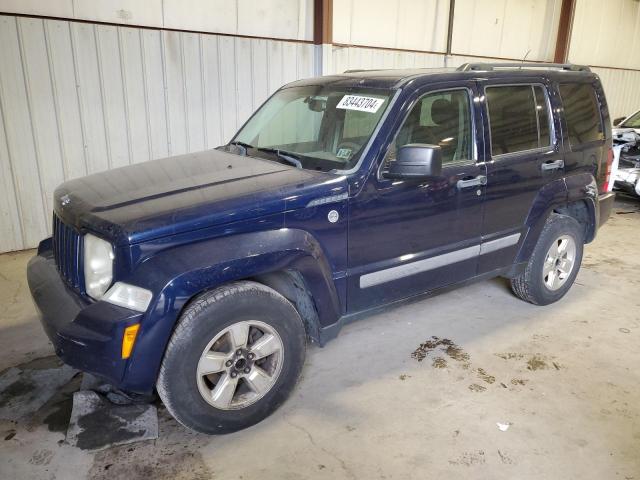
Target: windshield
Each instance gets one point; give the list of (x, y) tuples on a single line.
[(633, 121), (323, 127)]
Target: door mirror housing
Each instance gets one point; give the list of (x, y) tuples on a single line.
[(416, 161), (618, 121)]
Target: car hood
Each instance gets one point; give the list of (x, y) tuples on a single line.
[(187, 192)]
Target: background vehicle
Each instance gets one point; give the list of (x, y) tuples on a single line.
[(627, 174), (632, 121), (204, 274)]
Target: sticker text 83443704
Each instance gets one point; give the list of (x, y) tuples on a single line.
[(363, 104)]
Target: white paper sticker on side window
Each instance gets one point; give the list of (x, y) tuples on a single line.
[(363, 104)]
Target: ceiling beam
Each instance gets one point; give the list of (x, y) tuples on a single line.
[(564, 31), (323, 22), (452, 10)]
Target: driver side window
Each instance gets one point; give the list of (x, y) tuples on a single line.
[(441, 118)]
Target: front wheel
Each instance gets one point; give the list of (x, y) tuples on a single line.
[(554, 264), (234, 357)]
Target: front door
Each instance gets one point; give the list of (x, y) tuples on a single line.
[(407, 237)]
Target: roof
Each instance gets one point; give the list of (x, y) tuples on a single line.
[(397, 78)]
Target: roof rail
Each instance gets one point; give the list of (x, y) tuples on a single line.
[(466, 67)]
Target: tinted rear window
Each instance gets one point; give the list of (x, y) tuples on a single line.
[(581, 112), (518, 118)]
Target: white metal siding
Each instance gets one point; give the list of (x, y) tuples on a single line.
[(606, 33), (500, 28), (287, 19), (507, 28), (408, 24), (78, 98)]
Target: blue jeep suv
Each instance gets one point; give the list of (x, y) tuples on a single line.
[(204, 275)]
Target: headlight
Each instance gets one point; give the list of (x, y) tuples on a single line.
[(98, 265)]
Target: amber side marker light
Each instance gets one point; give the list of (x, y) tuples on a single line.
[(129, 339)]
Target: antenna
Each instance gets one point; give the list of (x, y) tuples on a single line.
[(525, 56)]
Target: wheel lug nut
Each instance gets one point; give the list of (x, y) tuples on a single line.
[(247, 370), (234, 374), (238, 352), (251, 356), (229, 363)]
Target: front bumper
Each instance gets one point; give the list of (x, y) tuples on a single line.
[(85, 334), (605, 204)]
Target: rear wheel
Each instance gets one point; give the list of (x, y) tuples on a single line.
[(234, 357), (554, 264)]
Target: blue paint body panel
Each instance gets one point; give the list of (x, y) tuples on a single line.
[(184, 225)]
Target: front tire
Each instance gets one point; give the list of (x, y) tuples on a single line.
[(233, 359), (554, 263)]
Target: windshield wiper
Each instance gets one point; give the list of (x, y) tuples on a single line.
[(290, 158), (244, 145)]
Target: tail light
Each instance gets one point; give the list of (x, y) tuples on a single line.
[(605, 187)]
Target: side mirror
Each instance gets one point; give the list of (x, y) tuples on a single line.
[(618, 121), (416, 161)]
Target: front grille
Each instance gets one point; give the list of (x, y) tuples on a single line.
[(67, 245)]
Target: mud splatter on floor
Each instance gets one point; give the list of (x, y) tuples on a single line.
[(482, 374), (519, 381), (474, 387), (504, 458), (404, 376), (443, 346), (510, 356), (439, 362), (428, 346), (536, 363), (456, 353), (469, 458)]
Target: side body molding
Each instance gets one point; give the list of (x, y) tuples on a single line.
[(177, 274)]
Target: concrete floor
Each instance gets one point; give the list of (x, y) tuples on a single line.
[(564, 377)]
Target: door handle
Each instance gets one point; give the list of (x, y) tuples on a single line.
[(552, 165), (472, 182)]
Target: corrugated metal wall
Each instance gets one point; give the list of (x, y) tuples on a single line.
[(78, 98), (285, 19), (606, 33)]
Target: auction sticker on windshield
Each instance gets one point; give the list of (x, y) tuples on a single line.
[(363, 104)]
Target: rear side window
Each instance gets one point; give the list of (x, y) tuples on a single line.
[(518, 118), (581, 112)]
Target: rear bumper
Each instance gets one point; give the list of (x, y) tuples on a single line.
[(85, 334), (605, 205)]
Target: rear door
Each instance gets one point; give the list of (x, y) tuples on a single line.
[(523, 154)]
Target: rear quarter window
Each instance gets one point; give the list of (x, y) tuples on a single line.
[(581, 112)]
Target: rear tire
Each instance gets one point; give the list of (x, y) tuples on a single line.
[(233, 359), (554, 263)]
